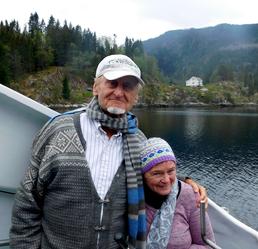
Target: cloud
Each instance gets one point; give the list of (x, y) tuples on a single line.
[(199, 13), (138, 19)]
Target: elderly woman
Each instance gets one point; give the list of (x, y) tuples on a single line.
[(172, 215)]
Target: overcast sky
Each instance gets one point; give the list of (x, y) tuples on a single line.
[(138, 19)]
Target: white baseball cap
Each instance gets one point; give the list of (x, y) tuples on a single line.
[(116, 66)]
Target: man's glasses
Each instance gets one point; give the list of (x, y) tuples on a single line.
[(128, 85)]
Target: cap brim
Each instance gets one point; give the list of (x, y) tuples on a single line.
[(113, 75)]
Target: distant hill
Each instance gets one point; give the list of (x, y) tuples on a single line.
[(223, 52)]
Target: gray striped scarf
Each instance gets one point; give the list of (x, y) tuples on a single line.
[(135, 194), (161, 225)]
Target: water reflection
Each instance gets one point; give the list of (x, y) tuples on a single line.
[(193, 126)]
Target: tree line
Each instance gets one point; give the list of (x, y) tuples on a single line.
[(40, 45)]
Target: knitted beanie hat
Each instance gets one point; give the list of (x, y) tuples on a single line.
[(155, 150)]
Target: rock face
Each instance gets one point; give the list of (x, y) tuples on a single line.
[(46, 86)]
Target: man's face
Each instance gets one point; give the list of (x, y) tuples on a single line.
[(120, 94)]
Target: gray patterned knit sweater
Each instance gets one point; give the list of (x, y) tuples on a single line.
[(57, 205)]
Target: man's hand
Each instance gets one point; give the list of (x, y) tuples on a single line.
[(198, 189)]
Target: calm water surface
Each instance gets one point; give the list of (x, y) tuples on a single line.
[(218, 148)]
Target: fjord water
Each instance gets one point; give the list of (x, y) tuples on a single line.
[(218, 148)]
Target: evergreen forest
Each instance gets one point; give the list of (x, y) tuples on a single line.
[(41, 45)]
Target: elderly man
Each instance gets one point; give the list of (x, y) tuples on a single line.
[(84, 184)]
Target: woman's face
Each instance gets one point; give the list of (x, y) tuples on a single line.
[(161, 177)]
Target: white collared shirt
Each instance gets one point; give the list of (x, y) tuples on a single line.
[(104, 155)]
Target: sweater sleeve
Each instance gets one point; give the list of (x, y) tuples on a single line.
[(26, 229)]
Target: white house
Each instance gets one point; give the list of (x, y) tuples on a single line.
[(194, 81)]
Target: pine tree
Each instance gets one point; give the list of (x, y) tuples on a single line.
[(4, 66), (66, 88)]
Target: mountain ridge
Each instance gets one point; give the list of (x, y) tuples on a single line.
[(186, 52)]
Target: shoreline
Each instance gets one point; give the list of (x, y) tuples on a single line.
[(162, 105)]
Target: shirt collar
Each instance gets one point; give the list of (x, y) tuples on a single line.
[(98, 126)]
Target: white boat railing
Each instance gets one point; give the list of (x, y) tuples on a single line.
[(22, 99), (203, 228), (231, 233)]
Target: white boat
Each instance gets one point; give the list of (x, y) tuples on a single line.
[(21, 118)]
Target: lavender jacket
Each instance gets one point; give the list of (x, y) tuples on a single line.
[(186, 232)]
